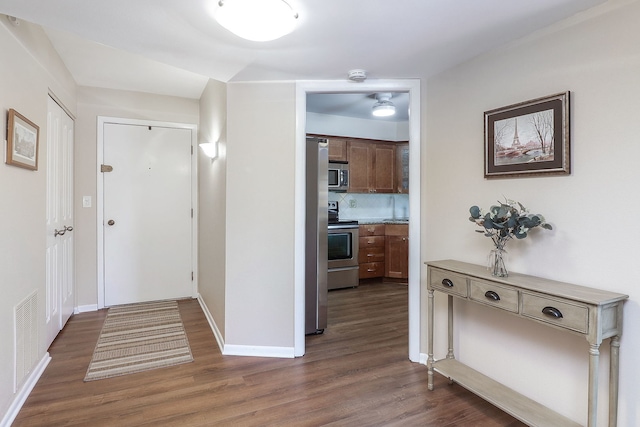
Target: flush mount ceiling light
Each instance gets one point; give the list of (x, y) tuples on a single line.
[(383, 107), (256, 20)]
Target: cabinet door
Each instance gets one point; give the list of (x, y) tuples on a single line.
[(396, 257), (337, 149), (359, 166), (402, 168), (383, 171)]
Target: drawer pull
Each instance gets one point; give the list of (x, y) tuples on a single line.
[(552, 312), (448, 283), (492, 295)]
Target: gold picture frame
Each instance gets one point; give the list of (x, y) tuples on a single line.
[(22, 141)]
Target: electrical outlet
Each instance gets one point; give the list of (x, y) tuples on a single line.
[(86, 201), (353, 203)]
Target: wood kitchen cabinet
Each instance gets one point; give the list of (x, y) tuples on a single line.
[(372, 166), (371, 253), (396, 257), (337, 149), (402, 168)]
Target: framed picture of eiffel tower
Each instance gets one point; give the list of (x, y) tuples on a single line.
[(529, 138)]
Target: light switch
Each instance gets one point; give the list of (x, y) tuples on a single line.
[(86, 201)]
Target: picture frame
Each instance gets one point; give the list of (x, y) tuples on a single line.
[(22, 141), (530, 138)]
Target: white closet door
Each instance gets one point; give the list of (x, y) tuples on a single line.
[(60, 273)]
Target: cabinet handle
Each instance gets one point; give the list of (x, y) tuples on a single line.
[(552, 312), (371, 270), (492, 295), (448, 283)]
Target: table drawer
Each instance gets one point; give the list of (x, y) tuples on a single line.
[(371, 241), (494, 295), (556, 311), (446, 281)]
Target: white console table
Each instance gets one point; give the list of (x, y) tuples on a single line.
[(592, 313)]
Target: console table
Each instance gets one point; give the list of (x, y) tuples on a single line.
[(593, 313)]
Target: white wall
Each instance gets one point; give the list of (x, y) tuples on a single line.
[(260, 218), (212, 203), (595, 241), (94, 102), (327, 124), (30, 69)]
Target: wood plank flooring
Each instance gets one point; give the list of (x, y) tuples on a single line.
[(355, 374)]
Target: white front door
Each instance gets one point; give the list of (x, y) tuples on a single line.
[(59, 301), (147, 213)]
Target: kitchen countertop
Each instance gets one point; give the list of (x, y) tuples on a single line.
[(383, 221)]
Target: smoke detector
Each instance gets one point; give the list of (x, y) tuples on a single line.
[(14, 21), (357, 76)]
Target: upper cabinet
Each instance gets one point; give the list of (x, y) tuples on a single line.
[(371, 166), (337, 149), (374, 166), (402, 168)]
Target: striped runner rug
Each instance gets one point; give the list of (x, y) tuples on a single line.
[(139, 337)]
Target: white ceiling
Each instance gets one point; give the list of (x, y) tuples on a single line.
[(172, 47)]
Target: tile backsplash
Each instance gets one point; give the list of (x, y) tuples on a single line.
[(357, 206)]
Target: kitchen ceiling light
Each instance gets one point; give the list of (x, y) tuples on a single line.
[(383, 106), (256, 20)]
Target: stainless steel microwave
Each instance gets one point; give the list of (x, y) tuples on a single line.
[(338, 176)]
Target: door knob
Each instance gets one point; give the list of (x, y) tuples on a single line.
[(111, 222)]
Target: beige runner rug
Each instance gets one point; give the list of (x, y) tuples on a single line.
[(139, 337)]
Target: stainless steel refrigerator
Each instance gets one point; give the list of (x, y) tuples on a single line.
[(317, 197)]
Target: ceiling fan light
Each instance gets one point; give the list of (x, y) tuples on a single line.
[(383, 109), (256, 20)]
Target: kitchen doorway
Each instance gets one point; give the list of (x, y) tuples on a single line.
[(412, 87)]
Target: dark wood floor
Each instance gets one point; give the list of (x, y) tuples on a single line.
[(356, 374)]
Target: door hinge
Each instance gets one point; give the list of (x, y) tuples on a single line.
[(191, 212), (192, 276), (192, 150), (106, 168)]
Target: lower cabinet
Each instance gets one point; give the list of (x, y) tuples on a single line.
[(371, 251), (396, 251)]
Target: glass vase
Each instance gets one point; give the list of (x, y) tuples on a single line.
[(496, 262)]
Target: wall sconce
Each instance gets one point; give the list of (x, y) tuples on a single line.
[(210, 149)]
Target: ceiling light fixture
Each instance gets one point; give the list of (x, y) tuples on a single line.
[(256, 20), (383, 107)]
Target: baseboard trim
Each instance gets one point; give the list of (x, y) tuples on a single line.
[(85, 308), (212, 324), (243, 350), (258, 351), (23, 393)]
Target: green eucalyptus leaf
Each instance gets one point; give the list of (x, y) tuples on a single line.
[(474, 211)]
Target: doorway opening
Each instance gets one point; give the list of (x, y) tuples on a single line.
[(411, 88)]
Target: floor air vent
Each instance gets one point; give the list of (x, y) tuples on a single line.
[(26, 338)]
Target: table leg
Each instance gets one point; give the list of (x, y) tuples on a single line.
[(430, 342), (450, 313), (594, 357), (614, 374)]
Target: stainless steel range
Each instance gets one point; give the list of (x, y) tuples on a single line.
[(342, 260)]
